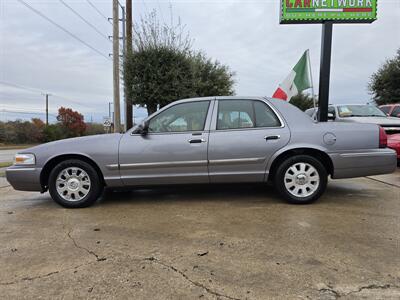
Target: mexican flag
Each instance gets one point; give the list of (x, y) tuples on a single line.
[(298, 80)]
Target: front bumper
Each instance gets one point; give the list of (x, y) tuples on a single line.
[(24, 178), (361, 163)]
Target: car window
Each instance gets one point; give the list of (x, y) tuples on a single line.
[(182, 117), (360, 111), (396, 111), (265, 117), (385, 109), (234, 114)]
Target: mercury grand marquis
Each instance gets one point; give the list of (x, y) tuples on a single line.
[(208, 140)]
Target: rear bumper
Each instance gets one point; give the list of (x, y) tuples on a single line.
[(24, 178), (363, 163), (396, 147)]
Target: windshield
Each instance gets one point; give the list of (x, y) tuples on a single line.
[(359, 111)]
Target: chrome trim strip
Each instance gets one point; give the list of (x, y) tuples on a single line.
[(113, 167), (169, 164), (20, 169), (362, 154), (236, 161), (112, 178)]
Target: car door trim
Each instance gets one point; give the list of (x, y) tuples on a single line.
[(168, 164), (236, 161), (171, 164)]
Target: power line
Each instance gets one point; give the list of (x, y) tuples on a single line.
[(84, 20), (98, 11), (34, 90), (62, 28), (24, 112)]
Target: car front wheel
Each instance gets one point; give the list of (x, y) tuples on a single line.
[(301, 179), (74, 184)]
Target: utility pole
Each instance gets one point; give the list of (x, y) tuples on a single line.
[(109, 109), (117, 116), (47, 108), (128, 51), (123, 20)]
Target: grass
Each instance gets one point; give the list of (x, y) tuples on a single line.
[(5, 164)]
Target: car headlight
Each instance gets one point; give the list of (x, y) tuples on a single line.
[(24, 159)]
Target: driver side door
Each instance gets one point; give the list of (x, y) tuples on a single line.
[(173, 151)]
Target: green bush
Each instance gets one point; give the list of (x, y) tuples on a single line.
[(35, 132)]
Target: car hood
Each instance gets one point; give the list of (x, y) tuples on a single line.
[(75, 143), (102, 147)]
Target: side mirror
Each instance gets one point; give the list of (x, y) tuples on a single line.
[(143, 128), (398, 115), (331, 116)]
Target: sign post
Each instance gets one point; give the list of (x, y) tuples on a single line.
[(325, 71), (327, 12)]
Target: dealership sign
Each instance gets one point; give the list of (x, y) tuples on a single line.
[(318, 11)]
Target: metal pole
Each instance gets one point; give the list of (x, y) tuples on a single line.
[(123, 20), (47, 109), (325, 70), (109, 109), (128, 45), (117, 117)]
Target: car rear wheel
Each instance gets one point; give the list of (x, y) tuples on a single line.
[(74, 184), (301, 179)]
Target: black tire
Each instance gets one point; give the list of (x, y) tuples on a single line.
[(94, 191), (291, 161)]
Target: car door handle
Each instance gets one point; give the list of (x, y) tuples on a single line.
[(272, 137), (197, 141)]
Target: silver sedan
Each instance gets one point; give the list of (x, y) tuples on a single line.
[(208, 140)]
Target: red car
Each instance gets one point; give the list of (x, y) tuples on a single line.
[(393, 141), (392, 110)]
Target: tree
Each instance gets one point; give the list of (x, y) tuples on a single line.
[(302, 101), (384, 85), (163, 68), (72, 122)]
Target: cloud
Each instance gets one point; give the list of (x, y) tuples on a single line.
[(245, 35)]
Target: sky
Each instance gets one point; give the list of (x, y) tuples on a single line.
[(38, 57)]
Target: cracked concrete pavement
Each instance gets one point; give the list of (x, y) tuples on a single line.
[(217, 242)]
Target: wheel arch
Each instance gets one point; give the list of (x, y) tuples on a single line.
[(51, 163), (313, 152)]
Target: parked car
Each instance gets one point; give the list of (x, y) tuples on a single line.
[(359, 113), (208, 140), (393, 142), (392, 110)]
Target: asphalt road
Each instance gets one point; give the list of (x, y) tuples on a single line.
[(221, 242)]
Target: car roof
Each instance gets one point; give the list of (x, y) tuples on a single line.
[(220, 98)]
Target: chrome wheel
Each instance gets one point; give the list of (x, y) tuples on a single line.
[(301, 179), (73, 184)]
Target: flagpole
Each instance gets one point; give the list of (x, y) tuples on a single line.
[(312, 81)]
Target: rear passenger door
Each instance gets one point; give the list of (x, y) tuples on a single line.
[(244, 135)]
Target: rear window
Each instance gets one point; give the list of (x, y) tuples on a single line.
[(396, 111), (238, 114)]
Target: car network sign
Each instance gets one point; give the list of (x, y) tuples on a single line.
[(318, 11)]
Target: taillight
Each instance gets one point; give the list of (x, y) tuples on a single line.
[(382, 138)]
